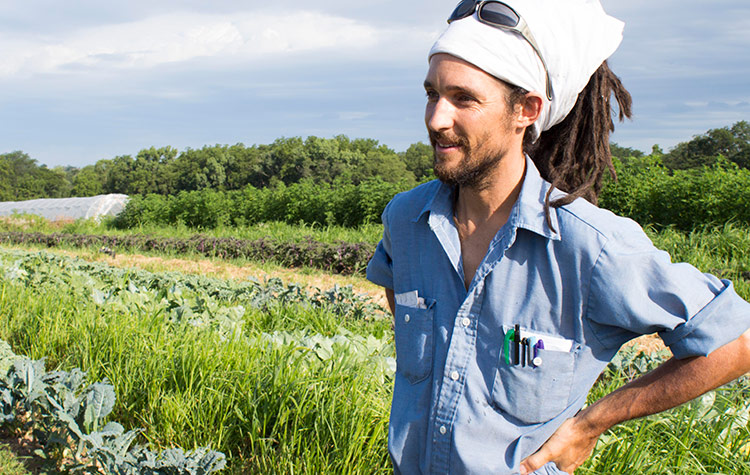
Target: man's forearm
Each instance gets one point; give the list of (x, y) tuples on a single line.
[(673, 383)]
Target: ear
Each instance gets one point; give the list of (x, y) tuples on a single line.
[(529, 109)]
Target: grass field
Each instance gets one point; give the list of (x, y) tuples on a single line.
[(370, 233), (287, 386)]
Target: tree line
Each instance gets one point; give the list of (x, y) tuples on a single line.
[(166, 171)]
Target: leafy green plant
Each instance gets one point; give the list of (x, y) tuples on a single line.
[(339, 203), (67, 417), (651, 194)]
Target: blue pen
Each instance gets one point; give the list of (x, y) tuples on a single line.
[(538, 359)]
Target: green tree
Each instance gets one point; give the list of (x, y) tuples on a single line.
[(6, 188), (56, 182), (149, 172), (202, 169), (244, 167), (733, 143), (118, 175), (23, 179), (89, 181), (288, 160), (624, 153), (386, 165), (326, 159), (419, 160)]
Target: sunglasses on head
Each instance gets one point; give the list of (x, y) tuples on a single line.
[(500, 15)]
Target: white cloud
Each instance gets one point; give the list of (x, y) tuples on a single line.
[(181, 37)]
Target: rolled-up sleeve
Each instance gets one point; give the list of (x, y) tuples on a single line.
[(636, 289), (380, 267)]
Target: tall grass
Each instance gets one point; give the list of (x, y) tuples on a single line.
[(9, 463), (272, 409), (269, 408), (707, 435)]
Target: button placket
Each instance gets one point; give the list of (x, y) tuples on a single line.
[(462, 347)]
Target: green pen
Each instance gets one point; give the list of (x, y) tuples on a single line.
[(506, 345)]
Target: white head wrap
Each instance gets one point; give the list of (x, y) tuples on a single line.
[(573, 36)]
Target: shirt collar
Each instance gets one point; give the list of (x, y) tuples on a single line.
[(527, 212)]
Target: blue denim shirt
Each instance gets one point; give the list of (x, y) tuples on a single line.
[(589, 285)]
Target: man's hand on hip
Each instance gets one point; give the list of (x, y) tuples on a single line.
[(570, 446)]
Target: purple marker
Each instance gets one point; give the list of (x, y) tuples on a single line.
[(537, 361)]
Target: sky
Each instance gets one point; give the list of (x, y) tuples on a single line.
[(85, 80)]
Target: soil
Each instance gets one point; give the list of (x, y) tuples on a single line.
[(23, 448)]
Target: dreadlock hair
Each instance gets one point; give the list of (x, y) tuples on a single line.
[(574, 154)]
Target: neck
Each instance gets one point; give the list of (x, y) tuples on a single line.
[(494, 201)]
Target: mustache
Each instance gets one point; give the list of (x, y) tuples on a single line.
[(436, 137)]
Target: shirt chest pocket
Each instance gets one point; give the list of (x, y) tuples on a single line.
[(414, 340), (535, 393)]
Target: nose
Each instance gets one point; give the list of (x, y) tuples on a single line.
[(438, 115)]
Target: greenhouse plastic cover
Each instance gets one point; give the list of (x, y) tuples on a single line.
[(68, 208)]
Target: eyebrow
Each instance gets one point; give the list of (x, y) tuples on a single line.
[(428, 85)]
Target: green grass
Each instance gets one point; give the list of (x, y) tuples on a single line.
[(277, 230), (707, 435), (271, 409), (10, 463)]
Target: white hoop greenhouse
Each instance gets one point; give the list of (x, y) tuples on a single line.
[(68, 208)]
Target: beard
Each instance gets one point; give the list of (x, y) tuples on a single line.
[(474, 169)]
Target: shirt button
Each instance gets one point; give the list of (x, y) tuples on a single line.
[(466, 322), (407, 318), (455, 376), (443, 430)]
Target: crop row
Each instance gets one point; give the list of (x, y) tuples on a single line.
[(43, 266), (723, 251), (203, 361), (342, 257)]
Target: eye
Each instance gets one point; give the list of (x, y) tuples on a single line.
[(431, 95), (465, 98)]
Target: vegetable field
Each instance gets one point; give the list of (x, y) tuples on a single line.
[(271, 377), (279, 379)]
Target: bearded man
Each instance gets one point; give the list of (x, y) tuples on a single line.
[(510, 289)]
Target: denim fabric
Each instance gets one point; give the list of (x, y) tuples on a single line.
[(591, 282)]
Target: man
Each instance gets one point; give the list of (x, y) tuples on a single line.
[(510, 295)]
